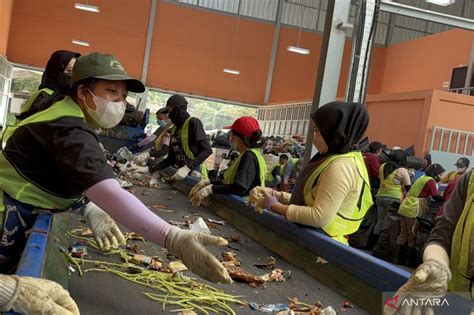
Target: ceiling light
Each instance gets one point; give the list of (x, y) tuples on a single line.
[(231, 71), (443, 3), (298, 50), (80, 42), (86, 7)]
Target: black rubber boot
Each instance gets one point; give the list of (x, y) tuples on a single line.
[(400, 255)]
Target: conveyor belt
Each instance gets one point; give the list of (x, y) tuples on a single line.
[(103, 293)]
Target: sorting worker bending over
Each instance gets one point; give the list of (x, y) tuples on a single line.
[(189, 145), (415, 203), (273, 177), (332, 192), (246, 172), (462, 164), (52, 160), (394, 179), (447, 256), (161, 142), (56, 77), (289, 172)]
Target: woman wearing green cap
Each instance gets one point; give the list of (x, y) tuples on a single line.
[(51, 160)]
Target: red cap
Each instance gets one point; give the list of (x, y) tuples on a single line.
[(245, 125)]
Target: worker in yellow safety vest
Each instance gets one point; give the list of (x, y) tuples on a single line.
[(415, 204), (246, 172), (160, 146), (447, 256), (332, 192), (56, 77), (189, 145), (461, 167), (289, 171), (52, 160), (274, 175)]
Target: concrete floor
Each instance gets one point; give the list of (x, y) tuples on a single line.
[(103, 293)]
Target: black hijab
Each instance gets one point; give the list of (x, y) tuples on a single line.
[(398, 159), (341, 125), (54, 77)]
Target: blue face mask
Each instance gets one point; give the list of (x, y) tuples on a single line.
[(161, 123), (233, 146)]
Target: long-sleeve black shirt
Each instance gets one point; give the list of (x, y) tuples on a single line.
[(246, 177), (198, 144)]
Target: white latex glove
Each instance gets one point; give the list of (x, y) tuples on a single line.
[(429, 280), (189, 247), (200, 195), (28, 295), (141, 158), (105, 230), (198, 187), (181, 173), (138, 169)]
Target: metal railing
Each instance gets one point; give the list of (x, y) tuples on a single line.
[(452, 141), (467, 91)]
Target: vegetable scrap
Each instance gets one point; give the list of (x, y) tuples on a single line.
[(177, 266), (216, 221), (269, 265), (165, 283), (232, 265)]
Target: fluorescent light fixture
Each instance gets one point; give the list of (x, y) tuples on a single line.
[(80, 42), (86, 7), (231, 71), (443, 3), (298, 50)]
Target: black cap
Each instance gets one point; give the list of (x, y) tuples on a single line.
[(375, 146), (462, 162), (434, 170), (176, 100)]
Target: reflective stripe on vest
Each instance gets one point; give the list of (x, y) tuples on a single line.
[(341, 226), (229, 174), (187, 150), (411, 204), (462, 244), (388, 188), (16, 185)]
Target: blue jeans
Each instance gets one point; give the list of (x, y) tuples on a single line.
[(18, 218)]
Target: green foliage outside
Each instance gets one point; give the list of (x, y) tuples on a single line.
[(214, 115), (25, 84)]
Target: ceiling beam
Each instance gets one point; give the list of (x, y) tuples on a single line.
[(427, 15)]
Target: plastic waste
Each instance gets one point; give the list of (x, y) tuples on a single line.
[(200, 226)]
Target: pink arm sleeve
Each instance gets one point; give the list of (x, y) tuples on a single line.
[(127, 210)]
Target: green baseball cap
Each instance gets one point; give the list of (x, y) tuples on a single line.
[(106, 67)]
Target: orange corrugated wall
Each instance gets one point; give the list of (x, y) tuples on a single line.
[(191, 47), (6, 7)]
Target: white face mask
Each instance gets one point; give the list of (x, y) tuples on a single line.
[(107, 114), (461, 169)]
